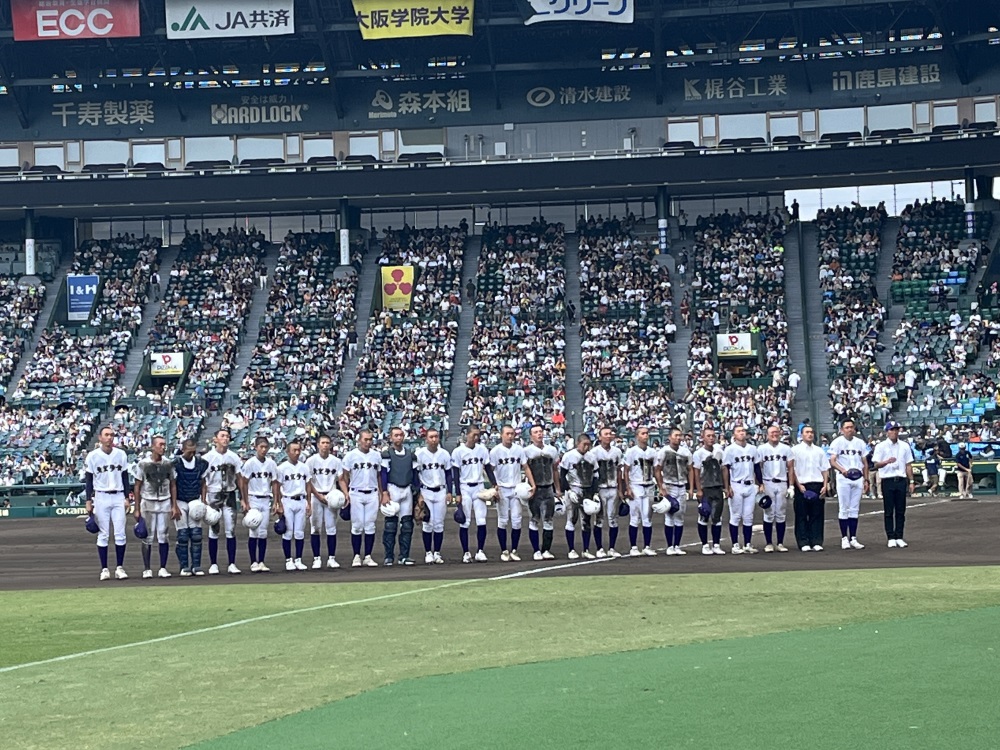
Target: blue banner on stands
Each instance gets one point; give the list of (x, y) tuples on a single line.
[(81, 291)]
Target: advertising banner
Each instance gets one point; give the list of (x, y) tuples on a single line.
[(397, 19), (36, 20), (208, 19), (606, 11), (397, 287), (166, 364), (734, 345), (81, 291)]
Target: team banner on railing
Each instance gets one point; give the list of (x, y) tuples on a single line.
[(396, 19), (166, 364), (734, 345), (81, 291), (229, 18), (397, 287), (74, 19), (606, 11)]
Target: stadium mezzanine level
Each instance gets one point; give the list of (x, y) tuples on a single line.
[(745, 169)]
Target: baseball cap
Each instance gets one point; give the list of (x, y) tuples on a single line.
[(891, 426)]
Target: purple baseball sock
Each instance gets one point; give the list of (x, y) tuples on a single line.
[(852, 526), (438, 540), (427, 541), (120, 554), (703, 533), (463, 538), (164, 553), (678, 531), (369, 543), (481, 536), (286, 546), (599, 538), (570, 539), (231, 549), (768, 531), (533, 538), (734, 534), (102, 553), (747, 533), (781, 531), (331, 544), (252, 548), (213, 551), (515, 538), (716, 533), (612, 537), (668, 533), (633, 535), (356, 543), (314, 543), (843, 526), (586, 541), (261, 549), (502, 538), (299, 546)]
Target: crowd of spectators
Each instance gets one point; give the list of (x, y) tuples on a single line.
[(20, 305), (928, 245), (41, 445), (517, 362), (405, 369)]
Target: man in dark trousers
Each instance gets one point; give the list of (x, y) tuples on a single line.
[(810, 466), (894, 461)]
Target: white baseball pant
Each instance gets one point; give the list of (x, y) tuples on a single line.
[(184, 522), (403, 496), (681, 495), (575, 510), (436, 506), (471, 502), (609, 499), (109, 510), (263, 504), (295, 518), (157, 515), (508, 508), (778, 492), (741, 504), (364, 508), (639, 506), (228, 522), (849, 496), (322, 517)]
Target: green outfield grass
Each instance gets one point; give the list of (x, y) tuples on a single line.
[(203, 686)]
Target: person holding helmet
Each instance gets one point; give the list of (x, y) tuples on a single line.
[(259, 489), (323, 468), (156, 503), (808, 475), (609, 491), (190, 469), (578, 473), (507, 461), (542, 460), (399, 485), (219, 492)]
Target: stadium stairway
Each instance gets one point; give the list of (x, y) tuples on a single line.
[(52, 290), (466, 324), (682, 344), (137, 354), (883, 282), (803, 306), (574, 358), (367, 282)]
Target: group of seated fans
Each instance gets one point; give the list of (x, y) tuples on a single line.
[(738, 286), (19, 307), (39, 445), (406, 365), (517, 359)]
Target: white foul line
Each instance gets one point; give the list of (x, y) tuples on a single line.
[(286, 613)]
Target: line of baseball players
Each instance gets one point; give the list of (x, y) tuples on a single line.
[(592, 486)]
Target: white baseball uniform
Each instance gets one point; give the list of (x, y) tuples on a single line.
[(774, 469), (675, 466), (850, 454), (471, 464), (581, 468), (608, 462), (508, 467), (260, 476), (433, 468), (293, 478), (323, 475), (400, 493), (640, 477), (220, 483), (156, 477), (109, 492), (740, 460), (364, 468)]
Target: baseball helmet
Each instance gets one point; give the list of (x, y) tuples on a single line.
[(196, 511), (705, 509), (390, 509), (487, 495), (212, 515), (459, 516), (253, 518), (810, 495), (560, 508), (280, 524), (853, 474), (571, 497), (591, 506), (623, 508), (335, 499), (345, 513), (140, 530), (763, 500), (523, 491), (91, 524), (667, 504)]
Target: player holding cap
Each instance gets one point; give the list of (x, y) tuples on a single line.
[(219, 491), (156, 503), (507, 462), (707, 461), (741, 478), (609, 460), (293, 476), (775, 460), (106, 479), (673, 472), (638, 481), (436, 489), (359, 481), (543, 477), (323, 468), (578, 472), (260, 489), (847, 458), (471, 462)]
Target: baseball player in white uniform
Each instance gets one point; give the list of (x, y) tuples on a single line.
[(436, 485), (219, 490), (293, 476), (324, 468), (106, 480), (609, 461), (156, 503), (471, 462), (359, 481), (543, 477), (775, 458), (578, 472), (639, 482), (848, 457), (261, 491), (672, 471), (739, 475), (507, 462)]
